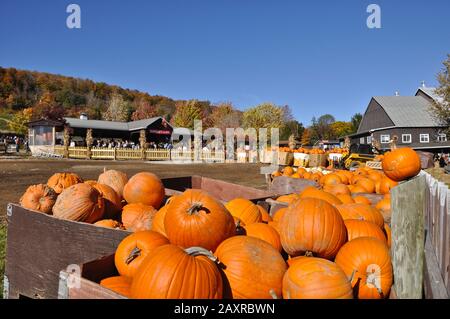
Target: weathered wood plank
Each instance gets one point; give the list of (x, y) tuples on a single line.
[(434, 287), (407, 205)]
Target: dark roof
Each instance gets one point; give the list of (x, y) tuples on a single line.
[(407, 111), (431, 145), (111, 125), (45, 122)]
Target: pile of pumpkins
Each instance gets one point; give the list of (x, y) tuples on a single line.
[(193, 246)]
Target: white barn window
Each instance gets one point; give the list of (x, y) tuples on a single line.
[(424, 138), (406, 138), (385, 138)]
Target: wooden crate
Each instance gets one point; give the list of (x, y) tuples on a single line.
[(39, 245)]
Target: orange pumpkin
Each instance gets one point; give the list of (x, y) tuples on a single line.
[(384, 206), (288, 198), (361, 212), (266, 233), (61, 181), (312, 192), (39, 197), (145, 188), (173, 273), (80, 202), (362, 200), (288, 171), (138, 217), (195, 218), (368, 260), (296, 175), (401, 164), (113, 203), (158, 220), (344, 177), (134, 248), (357, 189), (331, 179), (276, 174), (245, 210), (118, 284), (387, 231), (385, 185), (361, 228), (367, 184), (315, 278), (312, 226), (278, 214), (109, 223), (114, 179), (345, 198), (265, 216), (336, 189), (253, 268)]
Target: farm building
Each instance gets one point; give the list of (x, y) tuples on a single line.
[(406, 117)]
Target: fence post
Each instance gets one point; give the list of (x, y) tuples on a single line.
[(115, 153)]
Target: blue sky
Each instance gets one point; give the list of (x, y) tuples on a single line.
[(316, 56)]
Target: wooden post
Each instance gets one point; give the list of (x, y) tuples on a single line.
[(66, 141), (408, 237), (142, 143), (89, 140)]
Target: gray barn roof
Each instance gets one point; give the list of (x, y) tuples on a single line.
[(110, 125), (407, 111), (431, 92)]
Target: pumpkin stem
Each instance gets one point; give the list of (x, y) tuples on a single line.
[(195, 208), (353, 275), (273, 294), (374, 282), (309, 254), (199, 251), (136, 252)]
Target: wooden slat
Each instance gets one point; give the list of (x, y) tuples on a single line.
[(434, 287), (407, 224)]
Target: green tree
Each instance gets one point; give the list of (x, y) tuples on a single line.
[(321, 128), (341, 128), (356, 120), (441, 109), (117, 110), (19, 121), (186, 112), (291, 127), (266, 115)]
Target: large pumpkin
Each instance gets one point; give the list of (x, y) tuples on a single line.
[(145, 188), (345, 198), (315, 278), (253, 268), (361, 228), (61, 181), (114, 179), (113, 203), (158, 220), (195, 218), (138, 217), (39, 197), (368, 260), (266, 233), (245, 210), (312, 226), (80, 202), (118, 284), (134, 248), (312, 192), (361, 212), (173, 273), (401, 164)]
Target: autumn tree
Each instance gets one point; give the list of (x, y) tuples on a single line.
[(266, 115), (19, 121), (225, 116), (48, 108), (186, 112), (144, 110), (356, 120), (306, 137), (117, 110), (341, 128), (440, 109)]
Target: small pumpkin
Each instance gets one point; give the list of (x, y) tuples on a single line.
[(134, 248), (61, 181), (109, 223), (39, 197), (331, 179), (253, 268), (367, 261), (118, 284), (195, 218), (312, 192), (356, 189), (361, 212), (384, 206), (138, 217), (290, 198), (385, 185), (337, 189), (145, 188), (361, 228), (266, 233), (265, 216), (114, 179), (79, 202), (173, 273), (401, 163), (362, 200), (367, 184), (315, 278), (288, 171), (312, 226), (245, 210)]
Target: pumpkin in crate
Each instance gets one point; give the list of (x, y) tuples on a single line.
[(113, 203), (253, 268), (109, 223), (138, 217), (384, 206), (345, 198), (145, 188), (278, 214), (266, 233), (367, 261), (387, 231), (288, 171), (288, 198), (245, 210), (134, 248), (367, 184), (315, 278), (265, 216), (158, 220), (312, 192), (385, 185), (39, 197), (357, 189), (312, 226), (401, 163), (61, 181), (337, 189), (197, 219), (361, 228), (361, 212), (118, 284), (173, 273), (276, 174), (362, 200), (331, 179), (114, 179), (80, 202)]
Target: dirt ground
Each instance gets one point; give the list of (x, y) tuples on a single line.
[(17, 174)]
